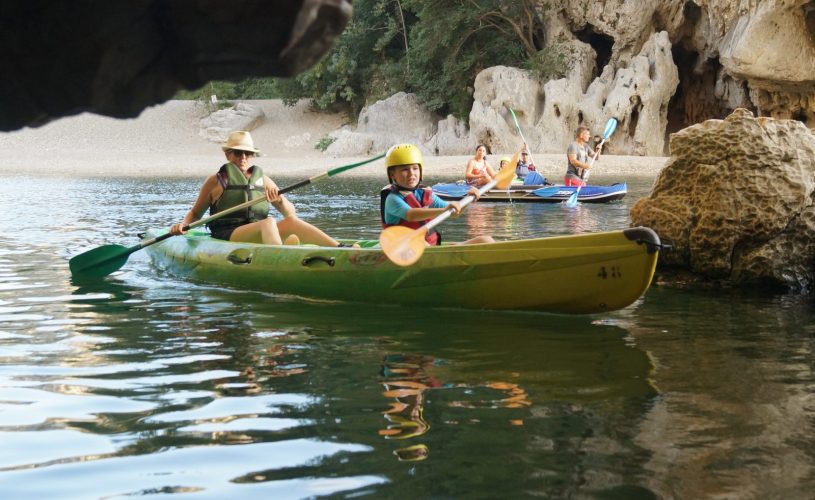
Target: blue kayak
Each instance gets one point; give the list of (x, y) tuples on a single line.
[(540, 194)]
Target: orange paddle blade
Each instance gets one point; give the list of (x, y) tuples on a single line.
[(507, 173), (403, 245)]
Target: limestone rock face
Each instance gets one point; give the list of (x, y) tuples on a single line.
[(773, 28), (657, 66), (217, 126), (117, 58), (496, 90), (397, 119), (452, 137), (639, 97), (636, 95), (729, 53), (736, 201)]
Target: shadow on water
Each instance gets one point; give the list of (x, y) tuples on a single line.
[(142, 384), (734, 370), (280, 395)]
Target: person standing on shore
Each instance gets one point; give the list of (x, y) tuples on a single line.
[(578, 158), (479, 172), (238, 181)]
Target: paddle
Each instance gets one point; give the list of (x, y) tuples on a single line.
[(520, 132), (404, 246), (547, 191), (103, 260), (610, 126)]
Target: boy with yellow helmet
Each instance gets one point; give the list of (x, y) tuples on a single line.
[(406, 202)]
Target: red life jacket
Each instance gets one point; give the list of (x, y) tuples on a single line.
[(433, 237)]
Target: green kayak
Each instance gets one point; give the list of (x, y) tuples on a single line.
[(576, 274)]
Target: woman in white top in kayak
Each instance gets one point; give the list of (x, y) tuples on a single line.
[(479, 172)]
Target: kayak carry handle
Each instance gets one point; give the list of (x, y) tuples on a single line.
[(328, 260)]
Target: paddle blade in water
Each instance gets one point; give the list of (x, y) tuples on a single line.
[(403, 245), (99, 262), (572, 201)]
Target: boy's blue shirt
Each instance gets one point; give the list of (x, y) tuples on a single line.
[(396, 208)]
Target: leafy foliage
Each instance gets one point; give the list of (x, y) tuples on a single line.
[(251, 88), (433, 48), (551, 63), (364, 61), (324, 142), (457, 39)]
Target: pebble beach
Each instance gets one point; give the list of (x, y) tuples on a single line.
[(164, 141)]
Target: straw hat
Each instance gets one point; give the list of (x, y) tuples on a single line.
[(240, 140)]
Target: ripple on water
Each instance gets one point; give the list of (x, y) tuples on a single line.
[(228, 407), (30, 407), (218, 470), (247, 424), (51, 446), (145, 384)]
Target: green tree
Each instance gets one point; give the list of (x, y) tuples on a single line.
[(459, 38), (433, 48), (364, 62)]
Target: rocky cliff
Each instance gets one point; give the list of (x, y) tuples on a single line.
[(737, 201), (657, 66)]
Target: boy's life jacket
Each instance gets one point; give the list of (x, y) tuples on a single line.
[(433, 237), (238, 189)]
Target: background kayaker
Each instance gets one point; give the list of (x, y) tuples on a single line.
[(478, 171), (504, 161), (524, 165), (239, 181), (578, 156), (406, 202)]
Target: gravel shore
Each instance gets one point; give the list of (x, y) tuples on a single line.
[(164, 142)]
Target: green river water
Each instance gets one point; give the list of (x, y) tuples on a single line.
[(145, 385)]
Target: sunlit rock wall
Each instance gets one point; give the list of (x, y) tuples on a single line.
[(736, 201), (658, 66), (397, 119)]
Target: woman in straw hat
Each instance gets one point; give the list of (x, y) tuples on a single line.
[(238, 181)]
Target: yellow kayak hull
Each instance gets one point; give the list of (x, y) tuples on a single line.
[(574, 274)]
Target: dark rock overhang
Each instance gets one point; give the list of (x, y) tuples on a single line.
[(117, 58)]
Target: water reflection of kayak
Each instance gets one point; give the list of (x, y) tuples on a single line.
[(578, 274), (537, 194)]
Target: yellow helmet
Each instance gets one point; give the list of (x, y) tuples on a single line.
[(404, 154), (505, 159)]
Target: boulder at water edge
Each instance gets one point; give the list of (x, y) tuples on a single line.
[(736, 201), (397, 119), (217, 126)]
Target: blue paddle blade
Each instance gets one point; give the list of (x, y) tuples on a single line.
[(611, 125), (547, 191), (572, 201), (454, 190)]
